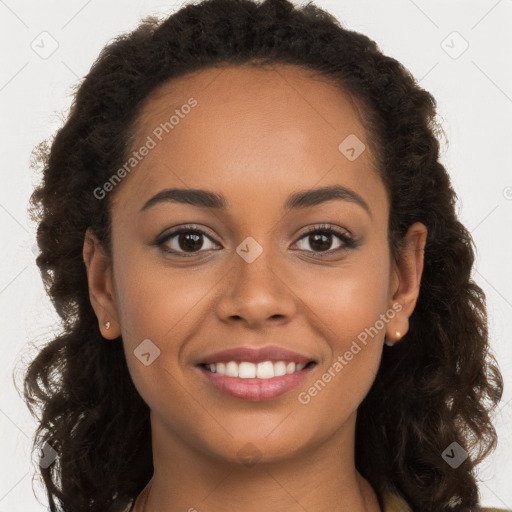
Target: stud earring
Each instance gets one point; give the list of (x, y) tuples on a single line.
[(390, 344), (107, 325)]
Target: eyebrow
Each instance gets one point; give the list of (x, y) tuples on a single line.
[(296, 201)]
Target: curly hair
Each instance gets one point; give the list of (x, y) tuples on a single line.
[(437, 387)]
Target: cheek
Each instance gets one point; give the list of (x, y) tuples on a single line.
[(159, 304), (157, 301), (349, 300), (347, 310)]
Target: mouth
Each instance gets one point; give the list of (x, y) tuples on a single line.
[(252, 382), (249, 370)]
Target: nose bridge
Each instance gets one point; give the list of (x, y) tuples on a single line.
[(257, 268), (255, 291)]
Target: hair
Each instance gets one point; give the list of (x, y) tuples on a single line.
[(439, 385)]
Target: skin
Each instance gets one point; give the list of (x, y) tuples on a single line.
[(256, 136)]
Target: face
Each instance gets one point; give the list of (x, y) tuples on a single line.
[(265, 259)]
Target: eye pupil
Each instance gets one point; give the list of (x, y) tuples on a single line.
[(190, 241), (324, 244)]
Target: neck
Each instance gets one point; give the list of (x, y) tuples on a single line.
[(318, 479)]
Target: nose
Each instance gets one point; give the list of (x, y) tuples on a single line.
[(257, 293)]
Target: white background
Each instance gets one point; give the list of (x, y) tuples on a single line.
[(474, 95)]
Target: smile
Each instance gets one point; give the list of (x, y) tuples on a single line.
[(263, 370), (255, 382)]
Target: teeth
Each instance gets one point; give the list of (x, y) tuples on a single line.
[(264, 370), (247, 370), (231, 369), (279, 368)]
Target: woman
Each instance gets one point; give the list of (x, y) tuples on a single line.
[(264, 286)]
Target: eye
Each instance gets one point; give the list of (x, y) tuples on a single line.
[(320, 239), (186, 239)]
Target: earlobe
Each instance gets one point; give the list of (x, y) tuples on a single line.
[(390, 343), (101, 289), (405, 286)]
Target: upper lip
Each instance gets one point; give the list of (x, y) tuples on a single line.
[(253, 355)]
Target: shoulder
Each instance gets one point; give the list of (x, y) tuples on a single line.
[(485, 509), (394, 503)]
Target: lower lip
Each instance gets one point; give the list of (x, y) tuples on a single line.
[(256, 390)]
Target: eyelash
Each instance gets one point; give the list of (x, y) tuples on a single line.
[(348, 241)]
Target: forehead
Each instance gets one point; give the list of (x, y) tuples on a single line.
[(280, 127), (285, 97)]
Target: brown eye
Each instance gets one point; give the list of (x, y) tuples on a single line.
[(321, 238), (320, 241), (185, 240), (190, 241)]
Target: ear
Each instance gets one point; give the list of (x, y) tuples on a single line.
[(405, 281), (101, 286)]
